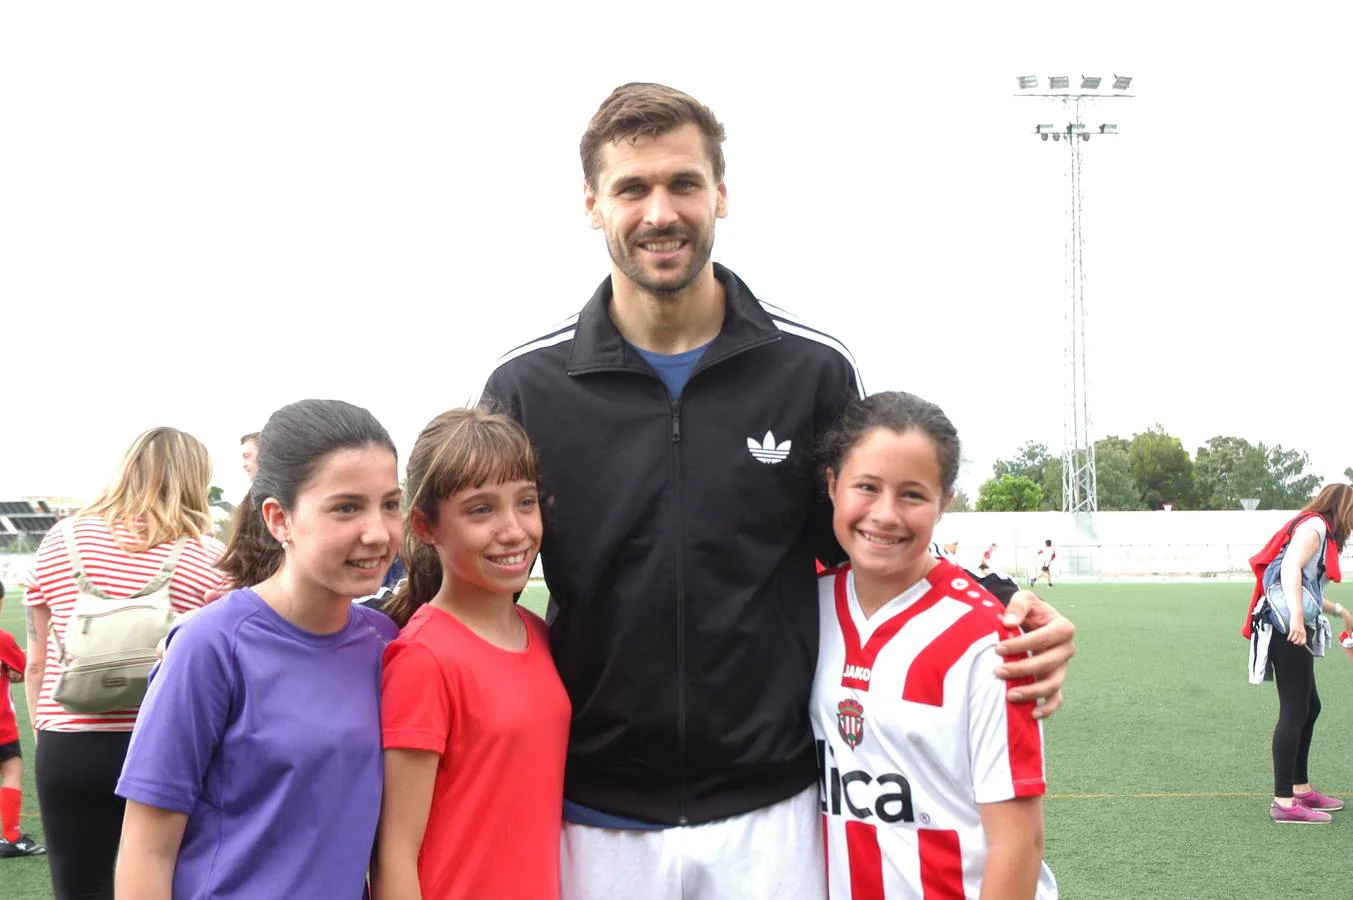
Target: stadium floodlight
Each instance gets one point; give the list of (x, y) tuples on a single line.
[(1056, 135), (1027, 82), (1044, 130), (1075, 128), (1108, 129), (1059, 82), (1090, 83), (1121, 82)]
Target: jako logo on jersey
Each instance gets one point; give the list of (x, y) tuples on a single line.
[(768, 451), (856, 676), (850, 722), (891, 806)]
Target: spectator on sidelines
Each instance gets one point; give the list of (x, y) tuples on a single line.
[(255, 768), (1288, 632), (675, 418), (474, 716), (13, 842), (151, 521), (249, 454)]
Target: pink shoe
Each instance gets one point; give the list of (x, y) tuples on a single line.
[(1296, 814), (1313, 799)]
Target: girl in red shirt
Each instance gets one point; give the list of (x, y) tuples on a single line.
[(474, 717)]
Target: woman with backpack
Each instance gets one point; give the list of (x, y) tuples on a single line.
[(147, 534), (1285, 626)]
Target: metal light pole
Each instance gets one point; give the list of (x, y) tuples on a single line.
[(1079, 483)]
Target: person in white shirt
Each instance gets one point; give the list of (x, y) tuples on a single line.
[(931, 780), (1043, 562)]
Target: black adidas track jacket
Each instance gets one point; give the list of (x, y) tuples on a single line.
[(678, 552)]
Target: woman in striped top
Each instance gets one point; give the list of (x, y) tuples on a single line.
[(123, 540)]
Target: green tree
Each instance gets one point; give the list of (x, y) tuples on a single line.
[(1227, 470), (1030, 461), (1161, 468), (214, 494), (1114, 440), (1009, 493), (1115, 487), (960, 503), (1287, 486), (1348, 473), (1052, 485)]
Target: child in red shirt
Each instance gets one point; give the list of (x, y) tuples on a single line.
[(13, 842), (474, 717)]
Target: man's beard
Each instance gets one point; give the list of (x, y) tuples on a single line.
[(702, 247)]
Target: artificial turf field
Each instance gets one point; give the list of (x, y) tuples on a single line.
[(1159, 768)]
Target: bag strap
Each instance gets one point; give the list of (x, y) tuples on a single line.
[(77, 568), (161, 577), (166, 570)]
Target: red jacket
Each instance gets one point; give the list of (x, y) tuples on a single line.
[(10, 654), (11, 657), (1260, 561)]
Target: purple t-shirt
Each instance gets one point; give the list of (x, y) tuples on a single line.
[(269, 738)]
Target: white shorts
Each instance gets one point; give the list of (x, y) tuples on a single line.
[(773, 853)]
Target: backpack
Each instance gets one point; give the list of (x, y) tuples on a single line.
[(110, 647), (1310, 590)]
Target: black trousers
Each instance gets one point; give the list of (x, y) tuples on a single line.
[(1298, 708), (76, 773)]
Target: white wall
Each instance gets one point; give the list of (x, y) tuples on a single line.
[(1118, 544)]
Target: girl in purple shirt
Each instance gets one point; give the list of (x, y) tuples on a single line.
[(255, 767)]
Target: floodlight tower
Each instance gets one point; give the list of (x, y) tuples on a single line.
[(1079, 484)]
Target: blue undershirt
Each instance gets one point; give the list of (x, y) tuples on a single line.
[(675, 370)]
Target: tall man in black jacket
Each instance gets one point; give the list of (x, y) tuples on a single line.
[(676, 417)]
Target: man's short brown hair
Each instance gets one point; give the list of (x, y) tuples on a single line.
[(643, 109), (251, 436)]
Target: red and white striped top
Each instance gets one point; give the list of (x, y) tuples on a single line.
[(119, 574), (914, 733)]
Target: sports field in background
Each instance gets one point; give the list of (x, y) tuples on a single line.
[(1158, 766)]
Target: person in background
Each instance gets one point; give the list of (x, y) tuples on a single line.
[(1043, 562), (249, 454), (1292, 572), (985, 565), (13, 842), (155, 507)]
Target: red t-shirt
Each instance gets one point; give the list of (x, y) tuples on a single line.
[(499, 720), (11, 657)]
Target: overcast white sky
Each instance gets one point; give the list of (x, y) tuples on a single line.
[(207, 211)]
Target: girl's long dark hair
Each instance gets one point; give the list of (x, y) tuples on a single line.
[(291, 448)]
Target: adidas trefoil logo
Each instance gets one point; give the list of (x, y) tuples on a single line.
[(768, 451)]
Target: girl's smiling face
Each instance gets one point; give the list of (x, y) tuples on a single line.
[(887, 498), (487, 537), (345, 527)]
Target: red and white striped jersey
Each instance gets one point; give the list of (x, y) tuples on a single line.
[(119, 574), (913, 733)]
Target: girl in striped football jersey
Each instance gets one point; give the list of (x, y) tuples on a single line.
[(931, 780), (158, 499)]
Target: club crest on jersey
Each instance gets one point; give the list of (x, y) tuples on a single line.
[(850, 722)]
